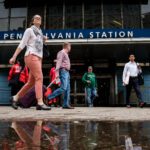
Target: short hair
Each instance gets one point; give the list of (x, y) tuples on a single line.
[(90, 67), (66, 44), (131, 55)]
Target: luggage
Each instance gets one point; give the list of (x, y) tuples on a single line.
[(29, 99)]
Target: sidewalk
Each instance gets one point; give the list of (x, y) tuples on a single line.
[(79, 113)]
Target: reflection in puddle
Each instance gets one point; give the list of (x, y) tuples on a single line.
[(41, 135)]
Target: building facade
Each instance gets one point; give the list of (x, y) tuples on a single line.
[(102, 34)]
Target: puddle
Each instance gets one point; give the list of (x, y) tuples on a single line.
[(41, 135)]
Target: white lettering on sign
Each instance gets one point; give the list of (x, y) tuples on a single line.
[(68, 35), (60, 36), (19, 36), (91, 35), (104, 35), (12, 36), (6, 36), (53, 35), (76, 35), (110, 34), (130, 34), (80, 36), (122, 34)]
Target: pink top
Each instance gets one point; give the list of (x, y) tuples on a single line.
[(63, 60)]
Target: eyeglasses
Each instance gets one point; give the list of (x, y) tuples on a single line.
[(38, 18)]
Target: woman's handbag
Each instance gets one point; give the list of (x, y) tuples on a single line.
[(140, 79), (46, 53)]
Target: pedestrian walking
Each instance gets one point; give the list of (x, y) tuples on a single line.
[(62, 72), (33, 40), (90, 82), (130, 80)]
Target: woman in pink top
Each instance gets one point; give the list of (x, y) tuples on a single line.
[(33, 39)]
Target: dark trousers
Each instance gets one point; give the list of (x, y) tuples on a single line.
[(16, 87), (133, 83)]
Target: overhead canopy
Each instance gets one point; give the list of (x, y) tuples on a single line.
[(19, 3), (97, 53)]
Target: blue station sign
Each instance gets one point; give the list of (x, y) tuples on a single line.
[(82, 34)]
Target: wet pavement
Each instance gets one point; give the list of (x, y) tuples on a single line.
[(74, 135), (79, 113)]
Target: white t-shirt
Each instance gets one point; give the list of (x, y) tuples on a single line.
[(28, 40)]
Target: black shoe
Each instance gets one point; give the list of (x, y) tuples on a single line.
[(14, 104), (67, 107), (42, 107)]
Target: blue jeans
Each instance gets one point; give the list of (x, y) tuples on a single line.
[(64, 88), (90, 95)]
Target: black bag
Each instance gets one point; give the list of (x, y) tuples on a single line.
[(140, 76), (29, 99), (46, 53), (140, 79)]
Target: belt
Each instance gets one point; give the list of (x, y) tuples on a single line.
[(133, 77)]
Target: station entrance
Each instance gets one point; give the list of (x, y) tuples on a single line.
[(107, 60)]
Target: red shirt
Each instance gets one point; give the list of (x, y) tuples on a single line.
[(15, 69), (52, 75), (24, 75)]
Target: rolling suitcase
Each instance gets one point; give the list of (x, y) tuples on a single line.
[(29, 99)]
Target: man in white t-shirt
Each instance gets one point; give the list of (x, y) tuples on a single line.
[(130, 79)]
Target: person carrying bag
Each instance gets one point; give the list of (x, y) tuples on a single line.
[(132, 78)]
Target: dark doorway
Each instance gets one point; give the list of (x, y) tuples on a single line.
[(103, 92)]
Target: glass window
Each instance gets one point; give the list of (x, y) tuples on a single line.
[(18, 18), (112, 16), (4, 24), (55, 17), (3, 12), (17, 23), (18, 12), (73, 17), (3, 17), (131, 16), (145, 10), (92, 16)]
